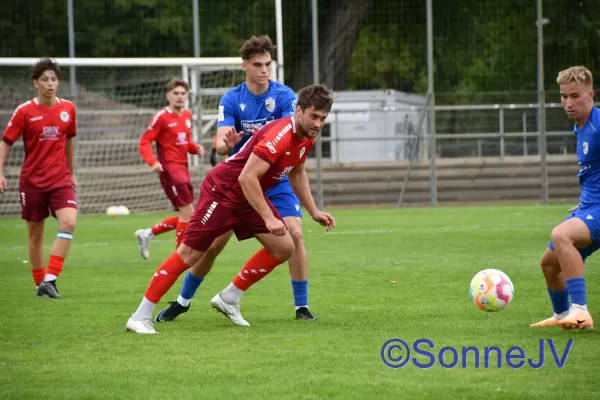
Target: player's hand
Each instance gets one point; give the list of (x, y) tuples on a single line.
[(573, 208), (324, 219), (232, 138), (74, 182), (276, 226), (157, 167), (200, 152), (3, 184)]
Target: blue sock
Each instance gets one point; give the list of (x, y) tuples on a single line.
[(576, 288), (190, 285), (300, 293), (560, 300)]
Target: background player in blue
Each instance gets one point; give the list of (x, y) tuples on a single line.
[(242, 110), (578, 236)]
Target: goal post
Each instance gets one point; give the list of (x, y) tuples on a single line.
[(115, 99)]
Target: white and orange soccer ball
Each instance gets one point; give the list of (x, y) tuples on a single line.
[(491, 290)]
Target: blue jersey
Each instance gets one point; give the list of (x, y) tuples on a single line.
[(242, 109), (588, 155)]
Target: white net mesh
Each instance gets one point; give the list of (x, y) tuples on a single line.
[(114, 105)]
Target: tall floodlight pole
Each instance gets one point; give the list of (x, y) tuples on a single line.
[(431, 122), (195, 83), (540, 22), (71, 25)]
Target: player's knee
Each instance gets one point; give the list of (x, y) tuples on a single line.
[(67, 225), (214, 250), (559, 237), (297, 237), (549, 265), (188, 255), (285, 251)]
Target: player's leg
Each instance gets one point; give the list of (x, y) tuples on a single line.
[(35, 233), (34, 210), (568, 238), (557, 288), (67, 219), (200, 233), (277, 250), (185, 214), (288, 205), (193, 279)]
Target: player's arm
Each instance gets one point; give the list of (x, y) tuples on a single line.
[(249, 180), (299, 180), (195, 148), (145, 145), (4, 148), (12, 133), (227, 136), (70, 148)]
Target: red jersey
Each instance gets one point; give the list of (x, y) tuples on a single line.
[(45, 131), (172, 134), (275, 143)]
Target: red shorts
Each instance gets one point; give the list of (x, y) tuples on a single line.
[(212, 219), (180, 194), (36, 205)]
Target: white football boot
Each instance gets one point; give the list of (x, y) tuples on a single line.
[(231, 311)]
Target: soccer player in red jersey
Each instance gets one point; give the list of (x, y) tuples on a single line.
[(47, 182), (232, 198), (170, 128)]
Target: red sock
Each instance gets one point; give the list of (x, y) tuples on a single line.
[(164, 277), (256, 268), (166, 225), (180, 230), (38, 275), (55, 265)]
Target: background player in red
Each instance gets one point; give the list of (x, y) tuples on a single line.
[(232, 198), (170, 128), (47, 182)]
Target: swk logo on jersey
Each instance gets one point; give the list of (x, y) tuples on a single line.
[(283, 173), (50, 133), (181, 139)]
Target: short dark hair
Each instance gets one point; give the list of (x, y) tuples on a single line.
[(44, 64), (319, 96), (255, 46), (173, 83)]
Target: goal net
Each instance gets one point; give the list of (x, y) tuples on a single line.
[(115, 99)]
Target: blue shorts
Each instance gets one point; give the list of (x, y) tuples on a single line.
[(590, 215), (284, 199)]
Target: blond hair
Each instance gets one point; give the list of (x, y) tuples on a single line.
[(579, 74)]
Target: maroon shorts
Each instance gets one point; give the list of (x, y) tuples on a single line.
[(36, 205), (212, 219), (180, 194)]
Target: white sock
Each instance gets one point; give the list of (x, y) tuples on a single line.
[(144, 311), (231, 294), (183, 302), (561, 315), (50, 277), (580, 307), (149, 232), (297, 307)]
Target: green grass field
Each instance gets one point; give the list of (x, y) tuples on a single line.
[(381, 274)]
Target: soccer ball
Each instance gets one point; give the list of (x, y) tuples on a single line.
[(491, 290), (117, 210)]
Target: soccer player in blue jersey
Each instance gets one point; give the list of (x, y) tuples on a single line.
[(242, 110), (578, 236)]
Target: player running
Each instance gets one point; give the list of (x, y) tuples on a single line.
[(232, 199), (47, 182), (578, 236), (243, 109), (170, 128)]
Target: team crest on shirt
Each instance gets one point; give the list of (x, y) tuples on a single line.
[(64, 116), (586, 147), (270, 104), (188, 123), (302, 152)]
